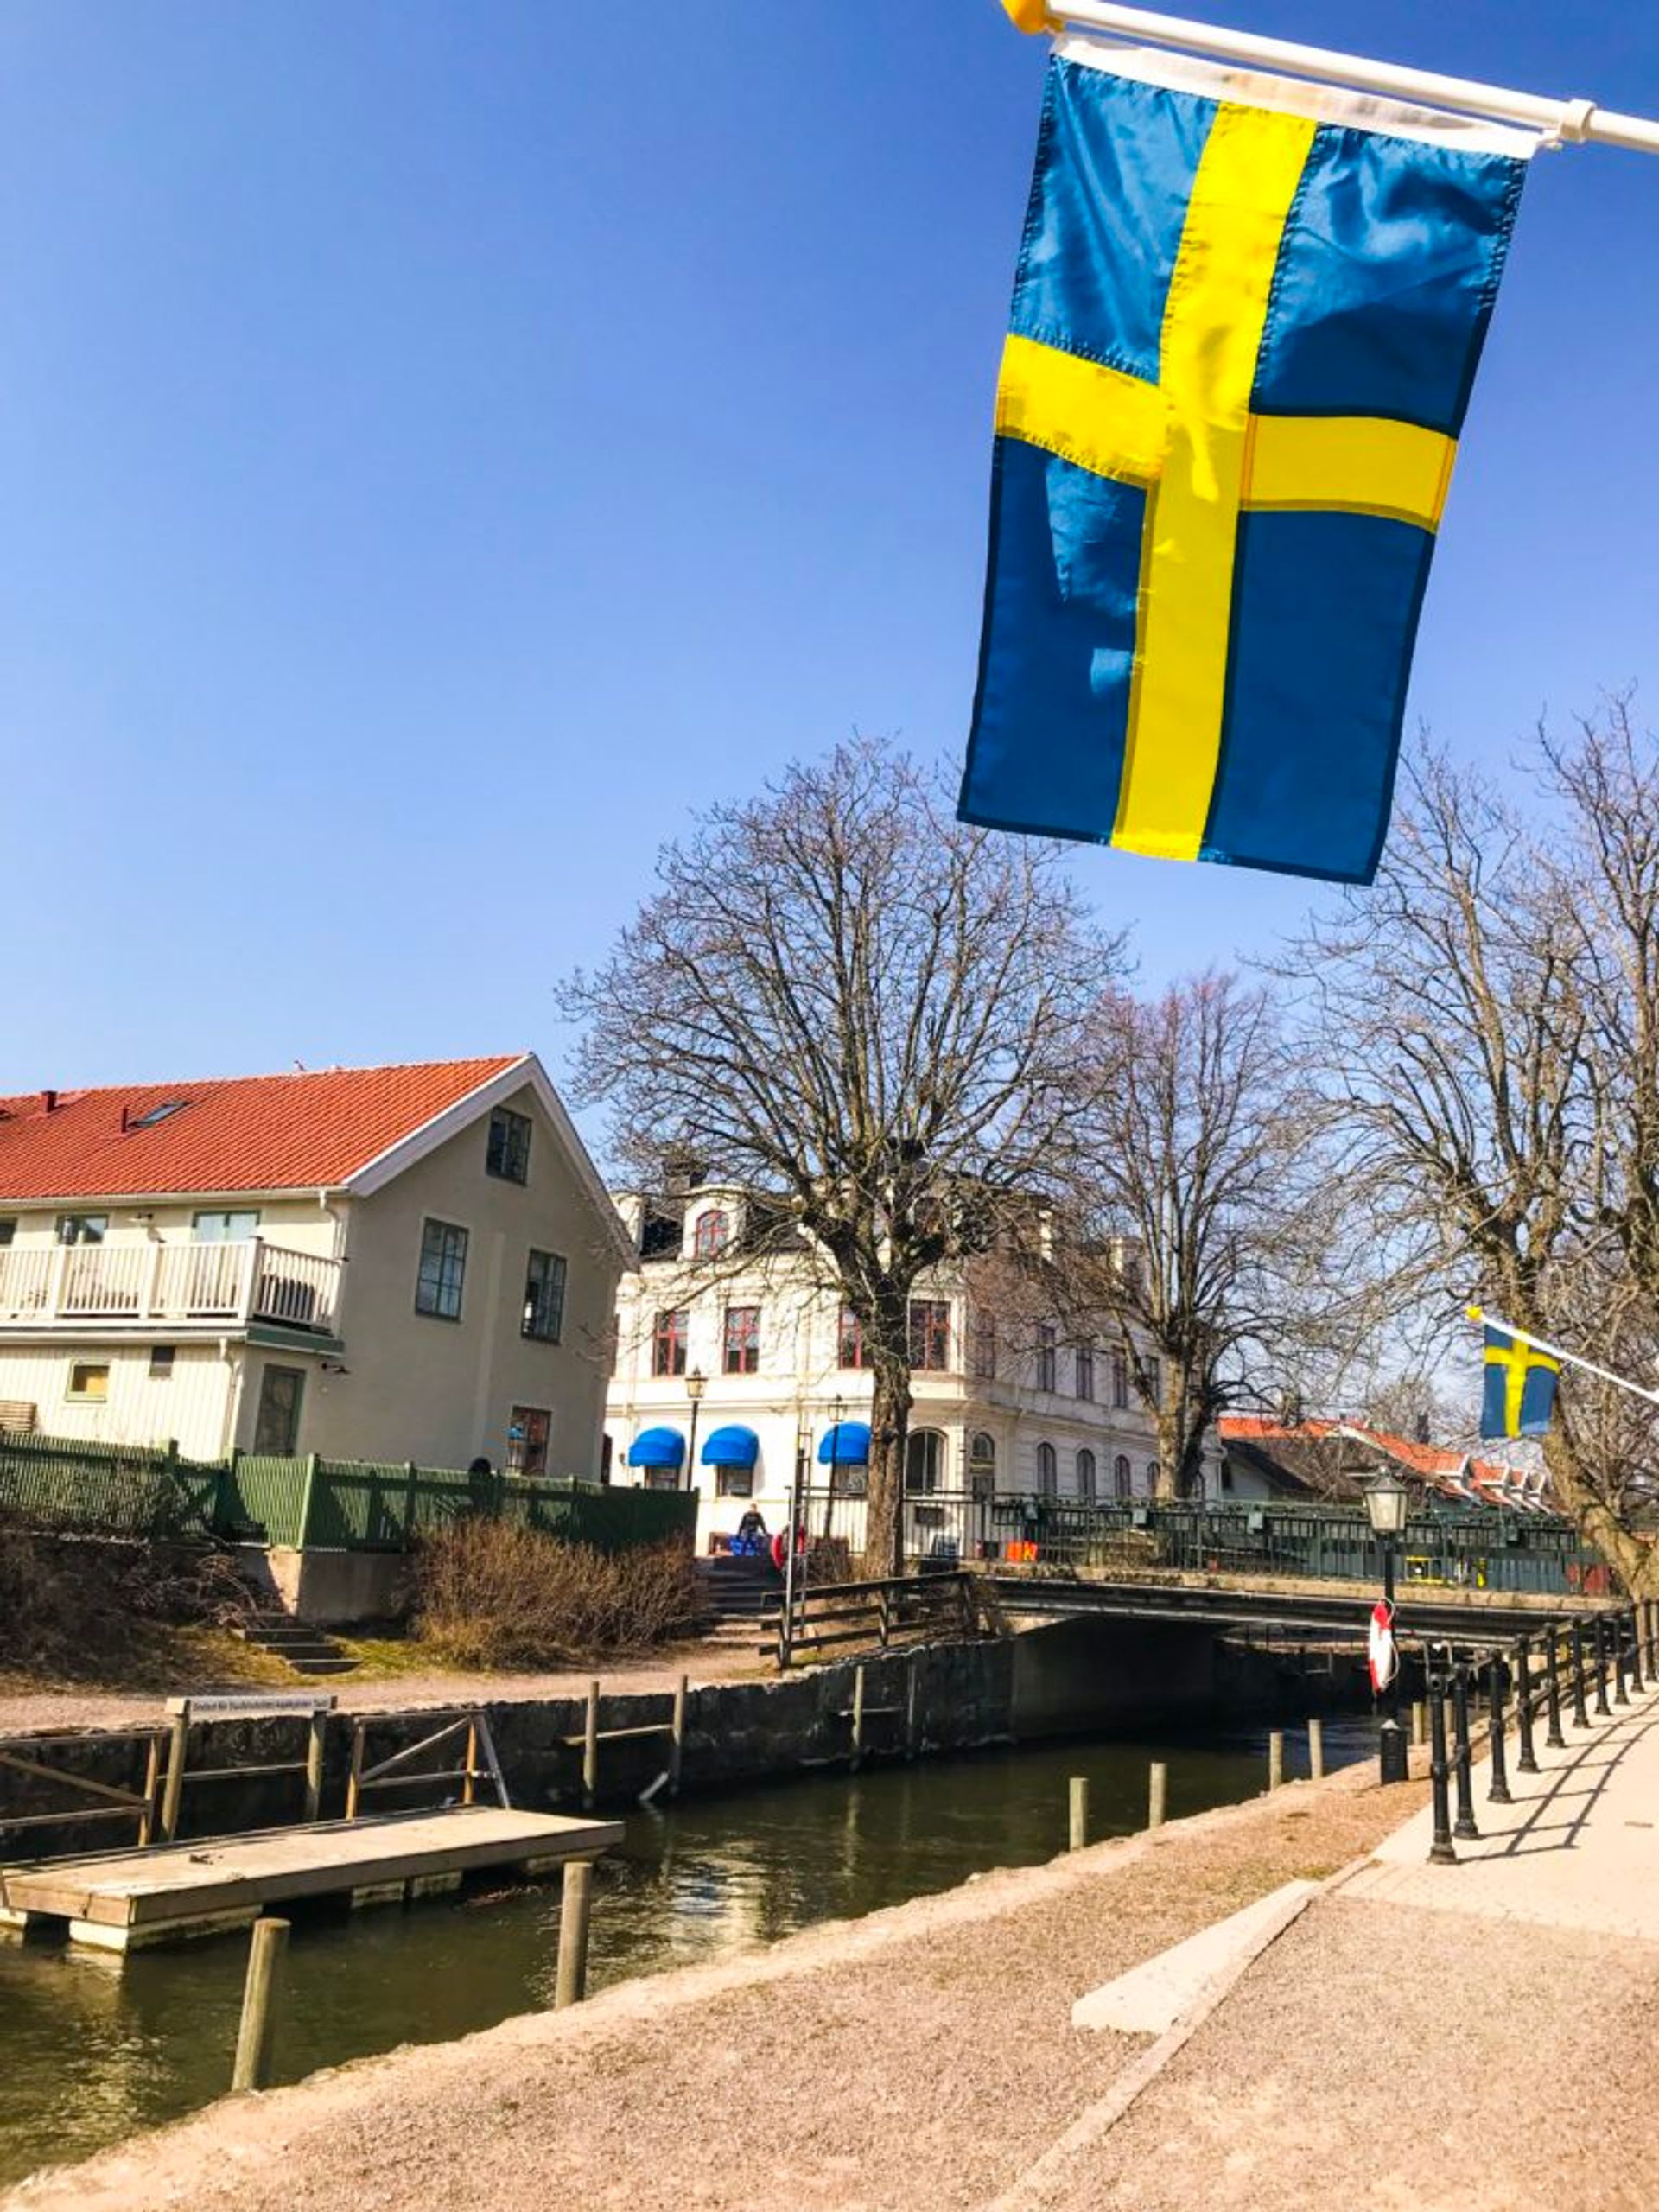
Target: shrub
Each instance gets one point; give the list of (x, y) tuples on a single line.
[(493, 1594), (86, 1606)]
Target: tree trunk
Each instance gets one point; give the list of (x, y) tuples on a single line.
[(884, 1538), (1635, 1561), (1172, 1441)]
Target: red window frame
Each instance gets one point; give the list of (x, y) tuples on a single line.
[(929, 1334), (711, 1233), (742, 1339), (850, 1348), (668, 1341)]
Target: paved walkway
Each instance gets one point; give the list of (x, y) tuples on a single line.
[(1474, 2038)]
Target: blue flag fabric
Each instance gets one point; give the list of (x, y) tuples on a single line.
[(1241, 350), (1520, 1396)]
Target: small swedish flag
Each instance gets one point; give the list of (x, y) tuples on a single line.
[(1519, 1386)]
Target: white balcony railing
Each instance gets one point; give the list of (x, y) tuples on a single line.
[(234, 1283)]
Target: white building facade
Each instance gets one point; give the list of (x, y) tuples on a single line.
[(386, 1264), (737, 1365)]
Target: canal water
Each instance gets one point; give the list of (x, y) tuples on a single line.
[(90, 2051)]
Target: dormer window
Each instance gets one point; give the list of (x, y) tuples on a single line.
[(711, 1233)]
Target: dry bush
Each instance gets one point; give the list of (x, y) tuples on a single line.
[(493, 1594), (90, 1607)]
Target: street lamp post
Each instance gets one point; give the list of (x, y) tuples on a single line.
[(1386, 1500), (696, 1383)]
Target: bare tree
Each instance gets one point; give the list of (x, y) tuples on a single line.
[(1487, 1019), (869, 1012), (1201, 1227)]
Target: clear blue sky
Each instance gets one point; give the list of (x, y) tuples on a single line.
[(442, 441)]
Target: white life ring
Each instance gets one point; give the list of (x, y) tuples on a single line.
[(1383, 1658)]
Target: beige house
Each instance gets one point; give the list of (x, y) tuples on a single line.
[(736, 1364), (393, 1263)]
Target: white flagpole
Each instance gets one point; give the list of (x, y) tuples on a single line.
[(1571, 1359), (1571, 123)]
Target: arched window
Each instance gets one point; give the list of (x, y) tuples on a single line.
[(710, 1233), (1048, 1481), (1086, 1475), (1122, 1479), (981, 1464), (1152, 1478), (923, 1460)]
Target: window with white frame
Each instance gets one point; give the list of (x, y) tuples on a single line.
[(224, 1224), (981, 1463), (924, 1461), (83, 1228)]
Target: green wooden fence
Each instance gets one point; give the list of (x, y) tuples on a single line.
[(310, 1503)]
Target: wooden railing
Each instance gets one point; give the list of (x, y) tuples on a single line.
[(902, 1609), (247, 1279)]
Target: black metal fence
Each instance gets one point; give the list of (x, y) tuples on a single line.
[(1570, 1674), (1476, 1549)]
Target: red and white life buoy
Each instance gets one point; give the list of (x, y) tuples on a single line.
[(1384, 1659)]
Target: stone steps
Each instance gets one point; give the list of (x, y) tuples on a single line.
[(307, 1650)]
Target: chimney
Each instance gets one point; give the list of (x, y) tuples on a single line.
[(49, 1101)]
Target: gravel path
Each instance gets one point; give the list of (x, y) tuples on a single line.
[(716, 1659), (1485, 2048), (1399, 2060), (919, 2058)]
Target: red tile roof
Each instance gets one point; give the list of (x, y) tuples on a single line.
[(237, 1132), (1431, 1461)]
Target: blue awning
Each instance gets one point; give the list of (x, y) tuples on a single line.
[(736, 1447), (846, 1445), (656, 1447)]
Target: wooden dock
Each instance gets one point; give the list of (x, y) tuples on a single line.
[(119, 1901)]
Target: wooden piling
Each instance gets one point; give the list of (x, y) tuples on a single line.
[(173, 1790), (575, 1912), (150, 1814), (676, 1739), (1276, 1759), (1316, 1749), (858, 1718), (1079, 1811), (253, 2068), (354, 1778), (590, 1751), (1157, 1794), (314, 1745)]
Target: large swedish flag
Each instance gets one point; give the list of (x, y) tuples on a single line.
[(1520, 1394), (1241, 347)]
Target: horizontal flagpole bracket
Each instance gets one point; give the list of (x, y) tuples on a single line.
[(1559, 122)]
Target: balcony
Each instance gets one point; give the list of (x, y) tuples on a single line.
[(151, 1286)]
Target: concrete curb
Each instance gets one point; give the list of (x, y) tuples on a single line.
[(1039, 2180)]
